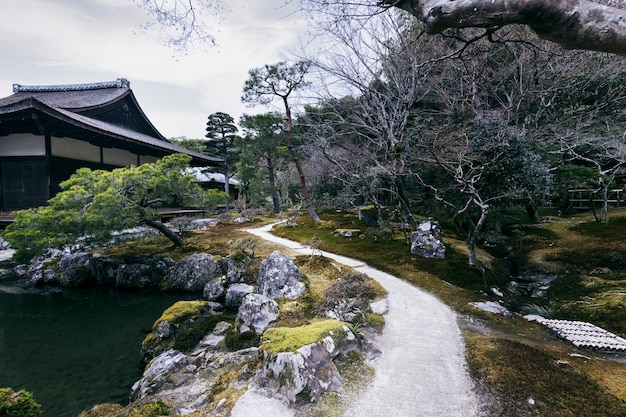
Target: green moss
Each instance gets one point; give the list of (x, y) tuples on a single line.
[(515, 372), (377, 321), (18, 404), (235, 340), (181, 310), (153, 409), (190, 336), (290, 339)]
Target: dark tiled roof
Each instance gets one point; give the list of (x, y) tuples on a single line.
[(67, 102), (71, 96)]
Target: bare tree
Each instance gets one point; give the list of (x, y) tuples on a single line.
[(573, 24), (489, 165), (606, 153)]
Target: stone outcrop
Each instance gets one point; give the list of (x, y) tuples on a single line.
[(426, 241), (279, 276), (308, 372), (257, 313), (75, 270), (193, 273), (236, 293)]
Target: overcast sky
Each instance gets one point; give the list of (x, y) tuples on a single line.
[(82, 41)]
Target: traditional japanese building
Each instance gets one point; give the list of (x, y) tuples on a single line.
[(49, 131)]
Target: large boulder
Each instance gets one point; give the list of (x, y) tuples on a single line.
[(279, 276), (143, 272), (236, 293), (426, 241), (257, 313), (186, 382), (193, 273), (105, 269), (215, 288), (308, 372), (75, 270)]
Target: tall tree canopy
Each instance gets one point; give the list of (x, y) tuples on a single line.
[(261, 146), (280, 81), (93, 204), (221, 133)]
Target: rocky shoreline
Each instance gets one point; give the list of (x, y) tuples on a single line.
[(202, 356)]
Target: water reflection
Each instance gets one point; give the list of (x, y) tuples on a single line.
[(75, 348)]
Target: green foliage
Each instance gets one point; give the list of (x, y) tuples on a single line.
[(235, 340), (544, 311), (194, 332), (18, 404), (269, 82), (94, 203)]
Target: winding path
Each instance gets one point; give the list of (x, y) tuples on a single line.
[(422, 370)]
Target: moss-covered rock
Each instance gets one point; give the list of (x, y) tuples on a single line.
[(181, 326), (290, 339)]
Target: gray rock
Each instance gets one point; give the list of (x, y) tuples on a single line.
[(426, 241), (214, 289), (309, 371), (135, 276), (257, 313), (75, 270), (158, 373), (236, 293), (235, 269), (279, 276), (41, 273), (184, 380), (105, 270), (193, 273)]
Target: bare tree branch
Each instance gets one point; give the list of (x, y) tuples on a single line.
[(573, 24)]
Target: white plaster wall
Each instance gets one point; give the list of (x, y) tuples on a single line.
[(75, 149), (119, 157), (22, 144)]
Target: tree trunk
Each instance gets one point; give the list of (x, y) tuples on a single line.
[(605, 202), (474, 233), (167, 232), (296, 161), (272, 180), (573, 24)]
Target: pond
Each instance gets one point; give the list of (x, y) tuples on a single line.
[(75, 348)]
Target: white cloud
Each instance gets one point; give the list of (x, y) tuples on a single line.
[(65, 41)]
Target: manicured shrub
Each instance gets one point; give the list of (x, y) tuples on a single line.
[(18, 404)]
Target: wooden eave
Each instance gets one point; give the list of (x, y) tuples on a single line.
[(33, 116)]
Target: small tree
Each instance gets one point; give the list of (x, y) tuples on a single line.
[(221, 131), (93, 204), (262, 142), (279, 81)]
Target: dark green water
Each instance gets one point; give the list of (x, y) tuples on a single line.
[(74, 349)]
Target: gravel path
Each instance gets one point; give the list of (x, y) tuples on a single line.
[(421, 371)]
